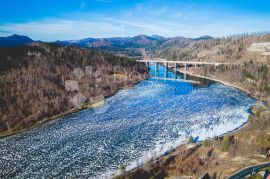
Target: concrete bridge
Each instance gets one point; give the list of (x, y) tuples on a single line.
[(176, 64), (186, 64)]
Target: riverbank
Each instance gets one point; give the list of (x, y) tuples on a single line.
[(90, 105), (223, 82), (39, 124)]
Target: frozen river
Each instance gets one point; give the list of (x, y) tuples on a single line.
[(134, 125)]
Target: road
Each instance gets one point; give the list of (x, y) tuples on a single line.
[(249, 170)]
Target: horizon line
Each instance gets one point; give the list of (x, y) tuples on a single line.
[(166, 37)]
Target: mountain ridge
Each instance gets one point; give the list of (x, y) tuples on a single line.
[(142, 39), (129, 46), (14, 40)]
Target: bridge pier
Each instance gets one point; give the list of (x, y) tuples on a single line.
[(147, 65), (175, 71), (216, 66), (166, 70), (156, 69), (186, 66)]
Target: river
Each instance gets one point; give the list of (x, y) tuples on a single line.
[(133, 126)]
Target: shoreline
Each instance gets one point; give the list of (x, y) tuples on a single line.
[(40, 123), (66, 113), (224, 83)]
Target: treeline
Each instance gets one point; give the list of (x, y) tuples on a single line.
[(32, 80)]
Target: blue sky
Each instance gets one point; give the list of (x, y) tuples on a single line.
[(51, 20)]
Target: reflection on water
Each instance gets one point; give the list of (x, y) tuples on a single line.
[(147, 119), (158, 71)]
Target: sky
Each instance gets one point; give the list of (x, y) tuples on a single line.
[(51, 20)]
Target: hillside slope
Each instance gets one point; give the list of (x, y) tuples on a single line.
[(33, 81), (228, 49)]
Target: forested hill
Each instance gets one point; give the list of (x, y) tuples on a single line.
[(250, 54), (33, 81), (227, 49)]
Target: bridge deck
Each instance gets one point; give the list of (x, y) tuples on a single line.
[(186, 62), (176, 79)]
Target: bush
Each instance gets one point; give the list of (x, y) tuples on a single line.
[(263, 141), (225, 144), (190, 139), (247, 74), (122, 169), (206, 143)]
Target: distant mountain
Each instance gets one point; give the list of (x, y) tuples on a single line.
[(116, 42), (140, 41), (132, 45), (174, 42), (14, 40), (119, 45)]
